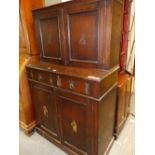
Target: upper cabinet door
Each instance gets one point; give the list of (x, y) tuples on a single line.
[(82, 33), (49, 34)]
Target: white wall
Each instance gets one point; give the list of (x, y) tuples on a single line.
[(51, 2)]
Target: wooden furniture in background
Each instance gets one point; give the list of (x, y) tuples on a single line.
[(27, 50), (123, 101), (73, 85)]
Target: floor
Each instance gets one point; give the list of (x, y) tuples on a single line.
[(37, 145)]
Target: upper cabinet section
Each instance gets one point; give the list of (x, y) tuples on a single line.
[(84, 33)]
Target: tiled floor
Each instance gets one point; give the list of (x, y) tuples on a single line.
[(37, 145)]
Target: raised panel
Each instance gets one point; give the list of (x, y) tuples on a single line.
[(74, 124), (49, 31), (83, 36), (49, 35), (45, 108), (82, 33)]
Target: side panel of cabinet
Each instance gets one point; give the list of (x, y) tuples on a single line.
[(49, 35), (76, 123), (43, 99), (82, 28), (123, 103), (121, 106), (107, 108)]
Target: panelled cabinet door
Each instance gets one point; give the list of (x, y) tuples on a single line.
[(76, 120), (45, 108), (49, 35), (82, 33)]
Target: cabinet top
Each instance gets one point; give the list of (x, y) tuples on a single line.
[(67, 4), (83, 73)]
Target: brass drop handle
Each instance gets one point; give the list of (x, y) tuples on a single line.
[(74, 126), (71, 84), (59, 81), (39, 77), (45, 111), (87, 88), (31, 74)]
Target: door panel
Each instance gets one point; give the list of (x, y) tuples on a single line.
[(45, 108), (82, 33), (49, 35), (76, 130)]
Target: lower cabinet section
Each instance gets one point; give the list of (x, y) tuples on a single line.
[(78, 125), (76, 115)]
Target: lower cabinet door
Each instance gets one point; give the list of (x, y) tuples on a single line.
[(76, 123), (45, 108)]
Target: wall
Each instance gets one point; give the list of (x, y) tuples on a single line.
[(51, 2)]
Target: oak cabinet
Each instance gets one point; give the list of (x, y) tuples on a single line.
[(76, 76)]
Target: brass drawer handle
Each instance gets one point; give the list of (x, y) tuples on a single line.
[(71, 84), (51, 80), (74, 126), (45, 111), (31, 74), (39, 77), (87, 88), (58, 81)]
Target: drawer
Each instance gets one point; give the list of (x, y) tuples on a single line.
[(40, 76), (74, 84)]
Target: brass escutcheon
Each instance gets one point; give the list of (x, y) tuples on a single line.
[(74, 126), (45, 111)]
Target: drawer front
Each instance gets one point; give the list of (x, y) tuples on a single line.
[(76, 85), (76, 123), (40, 76), (73, 84)]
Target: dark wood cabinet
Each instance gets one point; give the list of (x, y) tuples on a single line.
[(73, 86), (123, 101), (85, 33)]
